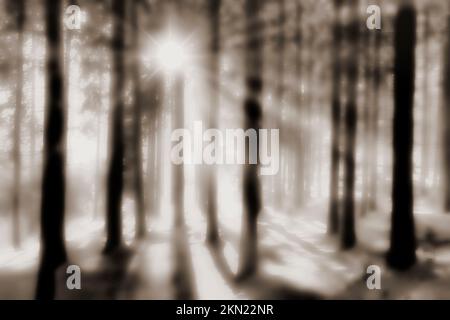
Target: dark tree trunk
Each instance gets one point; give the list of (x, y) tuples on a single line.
[(115, 171), (300, 172), (333, 210), (18, 10), (280, 90), (299, 102), (366, 117), (178, 170), (309, 79), (32, 206), (182, 273), (402, 254), (156, 165), (98, 169), (425, 165), (373, 135), (253, 113), (348, 236), (446, 121), (212, 231), (151, 161), (137, 128), (53, 253), (154, 119)]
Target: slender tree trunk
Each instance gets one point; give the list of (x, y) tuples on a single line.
[(402, 254), (137, 132), (373, 152), (280, 99), (151, 159), (366, 117), (160, 176), (19, 10), (153, 151), (333, 210), (53, 253), (253, 113), (212, 231), (425, 166), (446, 122), (348, 236), (98, 175), (309, 75), (300, 175), (116, 157), (178, 170), (32, 207), (178, 181)]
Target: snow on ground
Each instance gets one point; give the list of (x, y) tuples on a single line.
[(297, 258)]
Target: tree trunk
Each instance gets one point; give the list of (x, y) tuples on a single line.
[(348, 236), (280, 90), (153, 149), (157, 163), (31, 206), (178, 170), (137, 132), (98, 169), (19, 16), (253, 113), (151, 160), (333, 210), (300, 174), (425, 165), (366, 119), (373, 135), (115, 171), (309, 75), (402, 254), (446, 122), (212, 231), (53, 253)]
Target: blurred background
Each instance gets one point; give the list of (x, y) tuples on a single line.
[(90, 92)]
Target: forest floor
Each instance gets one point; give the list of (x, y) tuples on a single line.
[(298, 260)]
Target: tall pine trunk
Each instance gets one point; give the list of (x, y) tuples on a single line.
[(178, 169), (18, 7), (402, 254), (366, 118), (333, 209), (446, 121), (137, 127), (212, 231), (115, 170), (53, 253), (300, 171), (154, 119), (151, 155), (425, 165), (374, 131), (348, 236), (253, 113), (280, 93)]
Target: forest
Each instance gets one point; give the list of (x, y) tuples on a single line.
[(225, 149)]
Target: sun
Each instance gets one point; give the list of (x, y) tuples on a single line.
[(171, 55), (169, 52)]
